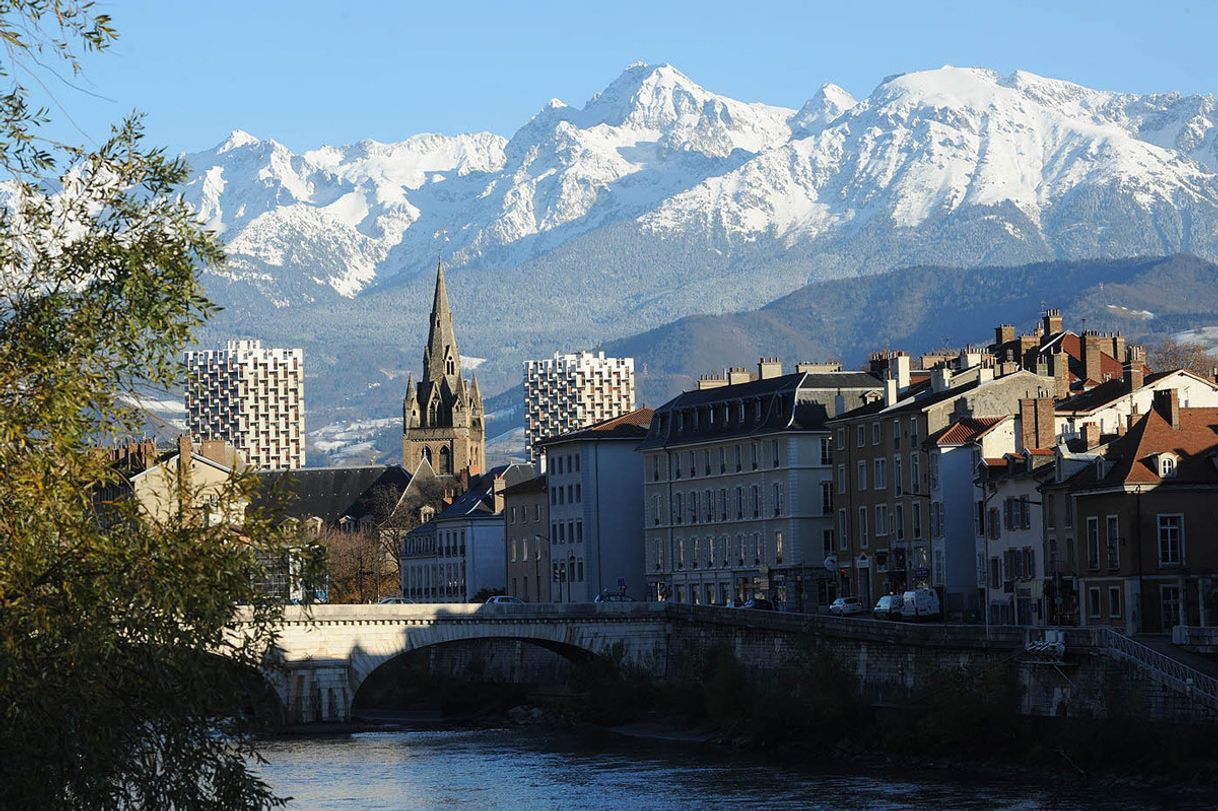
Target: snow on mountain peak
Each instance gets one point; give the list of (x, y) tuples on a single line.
[(236, 139), (829, 102)]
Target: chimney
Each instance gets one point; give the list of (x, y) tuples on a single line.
[(1037, 426), (1052, 322), (839, 403), (890, 391), (184, 453), (1028, 346), (877, 364), (737, 375), (1004, 333), (901, 364), (1167, 403), (711, 381), (940, 379), (1093, 352), (1135, 368), (214, 449), (1061, 375), (768, 368), (1091, 434), (1118, 345), (819, 367)]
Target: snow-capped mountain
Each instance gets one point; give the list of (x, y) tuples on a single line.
[(658, 199)]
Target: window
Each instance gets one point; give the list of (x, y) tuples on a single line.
[(1113, 541), (827, 542), (913, 431), (758, 554), (678, 507), (881, 474), (756, 501), (777, 498), (841, 439), (861, 436), (862, 483), (740, 549), (692, 470), (826, 498), (512, 520), (915, 473), (1093, 543), (881, 520), (1050, 510), (936, 519), (1093, 602), (898, 521), (513, 550), (655, 468), (655, 509), (706, 459), (723, 460), (843, 484), (756, 453), (876, 431), (1171, 540), (1114, 602), (898, 486), (1167, 465), (723, 504), (710, 506), (774, 451), (915, 518), (577, 471), (842, 528), (693, 506), (778, 547), (738, 453), (739, 502), (863, 527), (558, 464), (826, 453), (896, 435)]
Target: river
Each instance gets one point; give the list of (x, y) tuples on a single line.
[(510, 768)]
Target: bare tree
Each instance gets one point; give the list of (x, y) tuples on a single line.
[(425, 496), (358, 569), (1169, 354)]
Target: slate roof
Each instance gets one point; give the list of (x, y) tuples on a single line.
[(537, 484), (802, 401), (329, 493)]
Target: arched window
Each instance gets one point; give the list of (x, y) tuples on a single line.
[(446, 462), (425, 454), (433, 413)]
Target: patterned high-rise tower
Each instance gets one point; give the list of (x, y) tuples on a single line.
[(442, 416)]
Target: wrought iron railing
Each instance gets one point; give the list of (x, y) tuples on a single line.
[(1161, 667)]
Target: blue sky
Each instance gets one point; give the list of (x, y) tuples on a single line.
[(308, 73)]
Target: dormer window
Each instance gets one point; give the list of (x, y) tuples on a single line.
[(1167, 465)]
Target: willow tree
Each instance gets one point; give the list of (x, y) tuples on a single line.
[(119, 685)]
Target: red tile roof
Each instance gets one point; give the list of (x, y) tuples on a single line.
[(1195, 443), (631, 425), (966, 430)]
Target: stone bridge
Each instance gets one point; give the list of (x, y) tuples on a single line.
[(327, 652)]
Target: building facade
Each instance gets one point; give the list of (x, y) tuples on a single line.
[(738, 489), (572, 391), (442, 415), (594, 480), (526, 530), (250, 397)]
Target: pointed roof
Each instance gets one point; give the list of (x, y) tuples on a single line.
[(441, 337)]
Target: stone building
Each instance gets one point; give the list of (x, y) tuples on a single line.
[(442, 415), (526, 529), (738, 486), (250, 397), (568, 392)]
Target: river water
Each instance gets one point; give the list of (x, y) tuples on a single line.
[(509, 768)]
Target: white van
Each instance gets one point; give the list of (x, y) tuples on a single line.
[(920, 604)]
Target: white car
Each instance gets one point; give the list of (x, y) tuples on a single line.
[(920, 604), (845, 606), (504, 599)]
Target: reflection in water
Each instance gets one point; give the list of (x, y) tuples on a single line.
[(508, 768)]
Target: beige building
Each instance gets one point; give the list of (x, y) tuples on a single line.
[(738, 490), (252, 398), (568, 392), (442, 416), (163, 482)]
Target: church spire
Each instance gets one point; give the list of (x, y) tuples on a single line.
[(441, 358)]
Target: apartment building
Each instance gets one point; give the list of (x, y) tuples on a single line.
[(572, 391), (526, 530), (251, 397), (1140, 516), (739, 488), (596, 509), (906, 511)]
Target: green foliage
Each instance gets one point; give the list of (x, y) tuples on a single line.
[(110, 621)]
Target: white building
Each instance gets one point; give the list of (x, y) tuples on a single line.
[(595, 502), (250, 397), (568, 392)]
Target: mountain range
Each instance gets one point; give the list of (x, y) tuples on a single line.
[(659, 199)]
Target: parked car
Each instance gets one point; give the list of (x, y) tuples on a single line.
[(758, 604), (613, 597), (504, 599), (395, 601), (888, 607), (920, 604), (845, 606)]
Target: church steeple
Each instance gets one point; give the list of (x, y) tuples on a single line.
[(441, 358)]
